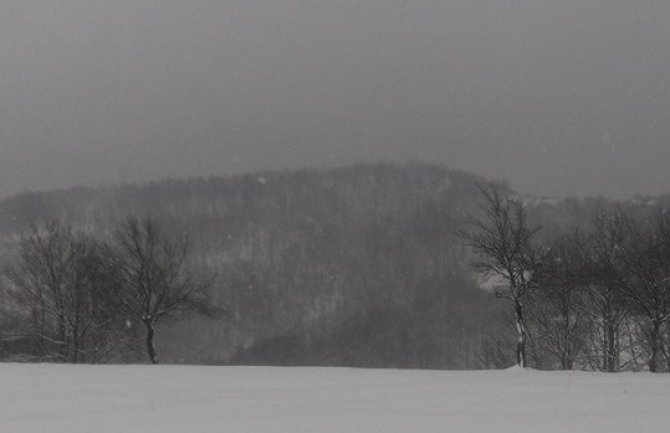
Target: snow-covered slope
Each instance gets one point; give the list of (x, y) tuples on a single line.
[(164, 399)]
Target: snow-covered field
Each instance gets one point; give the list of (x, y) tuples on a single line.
[(163, 399)]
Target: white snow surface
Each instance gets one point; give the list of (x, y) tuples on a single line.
[(166, 399)]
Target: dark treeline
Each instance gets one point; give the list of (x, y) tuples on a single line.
[(360, 266), (595, 296)]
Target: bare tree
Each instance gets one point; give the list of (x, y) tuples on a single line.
[(156, 281), (502, 240), (59, 281), (605, 252), (647, 288), (557, 306)]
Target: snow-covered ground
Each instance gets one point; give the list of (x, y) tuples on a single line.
[(164, 399)]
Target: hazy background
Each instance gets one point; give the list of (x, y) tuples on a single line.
[(558, 97)]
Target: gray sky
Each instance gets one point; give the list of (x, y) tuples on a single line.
[(558, 97)]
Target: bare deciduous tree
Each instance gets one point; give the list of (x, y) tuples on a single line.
[(502, 240), (605, 252), (647, 288), (60, 282), (557, 306), (156, 280)]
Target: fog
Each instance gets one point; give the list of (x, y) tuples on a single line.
[(566, 97)]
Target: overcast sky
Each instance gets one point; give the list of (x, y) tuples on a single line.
[(556, 96)]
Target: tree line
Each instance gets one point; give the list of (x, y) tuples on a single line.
[(357, 266), (74, 297), (353, 266), (595, 297)]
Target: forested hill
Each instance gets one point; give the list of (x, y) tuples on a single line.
[(356, 266)]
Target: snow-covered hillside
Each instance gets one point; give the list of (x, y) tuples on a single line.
[(164, 399)]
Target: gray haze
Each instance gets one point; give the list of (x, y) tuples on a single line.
[(557, 96)]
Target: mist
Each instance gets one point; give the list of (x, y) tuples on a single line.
[(558, 98)]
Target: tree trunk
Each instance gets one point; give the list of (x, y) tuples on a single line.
[(151, 349), (64, 344), (75, 347), (610, 350), (566, 352), (610, 355), (566, 360), (521, 331), (654, 345)]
